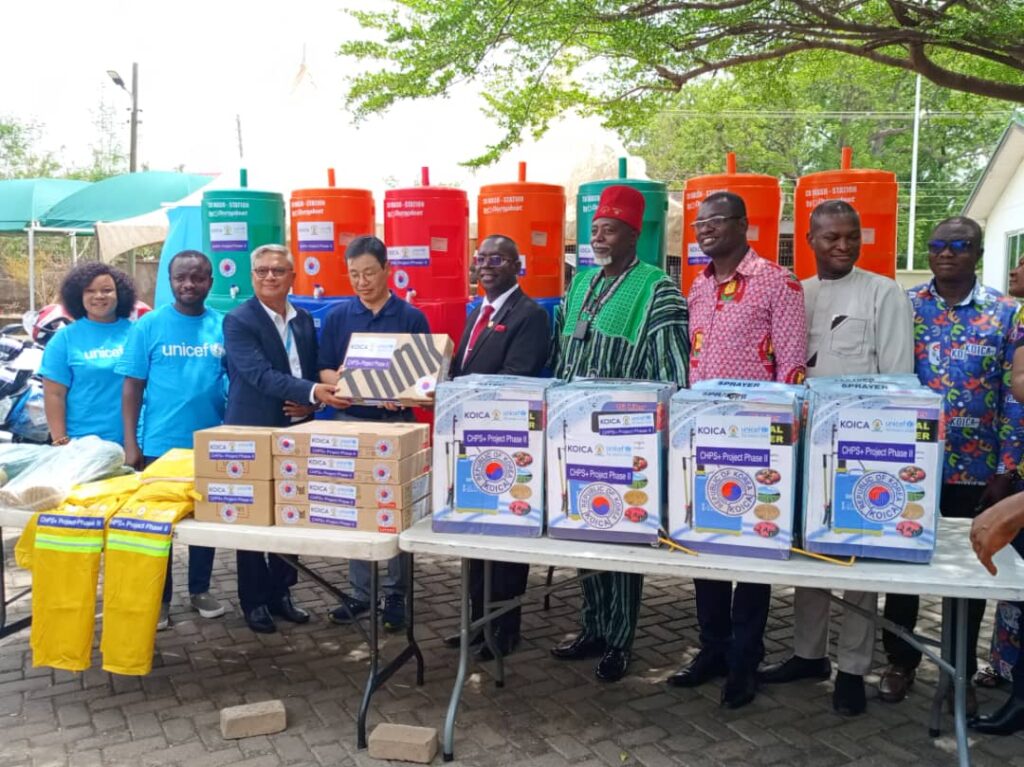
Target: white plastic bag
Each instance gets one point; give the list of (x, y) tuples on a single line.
[(48, 481)]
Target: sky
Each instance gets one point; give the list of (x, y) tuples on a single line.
[(203, 63)]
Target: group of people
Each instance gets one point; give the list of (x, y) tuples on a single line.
[(744, 317)]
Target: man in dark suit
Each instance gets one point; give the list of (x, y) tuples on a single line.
[(507, 334), (270, 349)]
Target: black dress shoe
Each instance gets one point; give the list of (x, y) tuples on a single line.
[(794, 668), (613, 665), (455, 640), (849, 697), (579, 648), (506, 644), (705, 667), (259, 620), (283, 608), (1006, 720), (739, 689)]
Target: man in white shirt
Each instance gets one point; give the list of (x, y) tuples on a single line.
[(858, 323)]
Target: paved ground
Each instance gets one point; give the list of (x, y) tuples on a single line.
[(549, 714)]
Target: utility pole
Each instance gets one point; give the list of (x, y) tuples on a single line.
[(912, 219), (133, 157), (238, 128)]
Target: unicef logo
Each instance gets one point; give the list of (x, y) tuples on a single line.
[(600, 506), (311, 265), (227, 268), (731, 492), (494, 472), (879, 497)]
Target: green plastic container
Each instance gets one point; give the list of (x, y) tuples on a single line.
[(236, 222), (651, 247)]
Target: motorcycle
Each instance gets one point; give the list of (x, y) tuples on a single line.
[(22, 415)]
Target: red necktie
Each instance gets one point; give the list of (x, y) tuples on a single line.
[(478, 328)]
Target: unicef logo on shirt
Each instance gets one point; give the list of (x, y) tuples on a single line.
[(879, 497), (600, 506), (731, 492), (493, 472)]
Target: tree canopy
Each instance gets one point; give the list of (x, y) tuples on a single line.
[(627, 61)]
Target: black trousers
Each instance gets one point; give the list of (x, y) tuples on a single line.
[(732, 621), (957, 501), (508, 581), (262, 579)]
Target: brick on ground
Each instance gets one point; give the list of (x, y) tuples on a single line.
[(251, 719), (403, 743)]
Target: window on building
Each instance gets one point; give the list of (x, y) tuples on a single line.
[(1014, 250)]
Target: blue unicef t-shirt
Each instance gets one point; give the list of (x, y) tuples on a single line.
[(181, 358), (82, 356)]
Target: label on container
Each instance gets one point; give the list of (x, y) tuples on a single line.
[(315, 236), (331, 468), (584, 256), (440, 244), (328, 492), (327, 444), (228, 493), (867, 235), (332, 515), (229, 236), (753, 232), (539, 239), (370, 351), (695, 256), (224, 450), (522, 264), (409, 255)]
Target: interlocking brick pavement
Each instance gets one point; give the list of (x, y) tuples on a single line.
[(549, 714)]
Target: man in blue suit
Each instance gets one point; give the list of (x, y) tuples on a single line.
[(271, 350)]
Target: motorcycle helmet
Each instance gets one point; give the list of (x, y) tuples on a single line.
[(46, 322), (140, 308)]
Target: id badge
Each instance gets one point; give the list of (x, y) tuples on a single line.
[(581, 331)]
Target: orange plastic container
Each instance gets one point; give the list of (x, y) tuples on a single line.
[(874, 195), (323, 223), (533, 215), (763, 199), (426, 229)]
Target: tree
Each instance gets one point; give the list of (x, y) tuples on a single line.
[(108, 155), (540, 58), (19, 157), (815, 104)]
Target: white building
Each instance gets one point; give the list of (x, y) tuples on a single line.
[(997, 202)]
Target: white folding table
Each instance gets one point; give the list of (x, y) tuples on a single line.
[(954, 574), (289, 543)]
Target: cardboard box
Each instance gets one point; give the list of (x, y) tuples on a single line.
[(606, 444), (368, 495), (241, 503), (352, 439), (873, 469), (489, 460), (403, 368), (347, 518), (234, 452), (359, 470), (733, 461)]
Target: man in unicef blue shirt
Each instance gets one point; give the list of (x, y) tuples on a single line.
[(375, 310), (174, 373)]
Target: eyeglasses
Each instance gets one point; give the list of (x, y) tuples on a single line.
[(365, 276), (957, 247), (714, 222), (490, 259), (262, 272)]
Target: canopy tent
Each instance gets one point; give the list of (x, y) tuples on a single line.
[(120, 197), (24, 200), (116, 237)]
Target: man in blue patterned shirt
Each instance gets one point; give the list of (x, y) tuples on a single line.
[(963, 349)]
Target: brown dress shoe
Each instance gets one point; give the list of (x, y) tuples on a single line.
[(895, 682)]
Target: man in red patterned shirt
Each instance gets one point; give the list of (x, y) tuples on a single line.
[(747, 321)]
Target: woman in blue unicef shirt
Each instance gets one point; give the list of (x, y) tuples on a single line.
[(82, 393)]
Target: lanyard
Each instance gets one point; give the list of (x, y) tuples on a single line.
[(288, 339), (592, 305)]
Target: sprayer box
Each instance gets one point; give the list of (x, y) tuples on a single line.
[(732, 467), (873, 468), (399, 368), (605, 457), (489, 455)]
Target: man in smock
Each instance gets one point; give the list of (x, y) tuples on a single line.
[(858, 323), (626, 319), (746, 321)]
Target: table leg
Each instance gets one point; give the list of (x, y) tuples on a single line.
[(489, 624), (371, 680), (960, 684), (18, 625), (410, 618), (460, 677), (945, 679)]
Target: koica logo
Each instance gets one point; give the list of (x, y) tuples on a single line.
[(386, 521), (234, 469), (227, 268), (289, 468), (853, 424), (385, 496), (384, 448), (311, 265), (473, 414), (286, 444), (381, 473), (288, 489), (229, 514), (711, 430), (588, 449), (291, 515)]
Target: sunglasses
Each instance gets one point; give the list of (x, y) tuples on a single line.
[(493, 260), (957, 247), (714, 222)]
